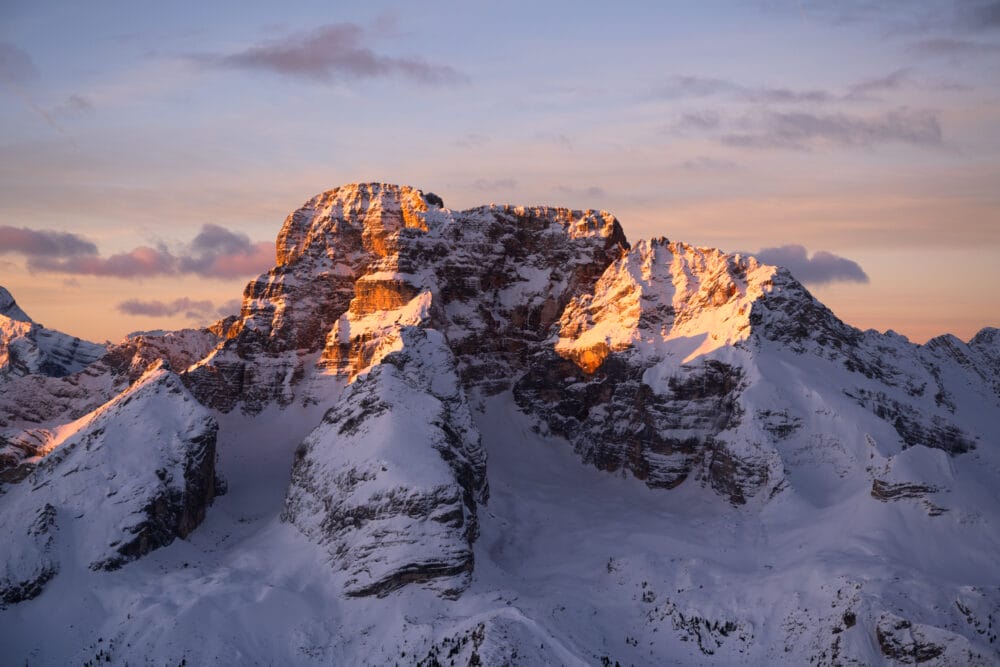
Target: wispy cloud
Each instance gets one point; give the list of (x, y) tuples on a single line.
[(590, 191), (706, 163), (906, 17), (16, 65), (822, 267), (679, 87), (189, 307), (43, 243), (141, 262), (195, 309), (699, 121), (490, 185), (18, 69), (331, 52), (74, 104), (801, 130), (892, 81), (472, 140), (215, 252), (697, 87), (983, 15), (953, 48), (231, 307)]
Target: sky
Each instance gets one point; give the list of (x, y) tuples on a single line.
[(150, 151)]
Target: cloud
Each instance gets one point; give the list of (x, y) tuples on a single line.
[(563, 141), (953, 48), (16, 65), (695, 86), (472, 140), (74, 104), (495, 184), (698, 120), (681, 87), (822, 267), (799, 130), (984, 15), (141, 262), (220, 253), (215, 252), (43, 243), (593, 191), (891, 81), (331, 52), (190, 308), (705, 163), (908, 18), (231, 307), (17, 69)]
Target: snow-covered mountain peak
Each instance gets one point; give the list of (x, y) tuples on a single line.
[(9, 307), (28, 348), (505, 435)]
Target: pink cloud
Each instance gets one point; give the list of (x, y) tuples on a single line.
[(215, 252)]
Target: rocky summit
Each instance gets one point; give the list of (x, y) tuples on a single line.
[(503, 435)]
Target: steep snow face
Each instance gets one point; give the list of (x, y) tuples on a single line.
[(389, 482), (27, 348), (664, 299), (124, 480)]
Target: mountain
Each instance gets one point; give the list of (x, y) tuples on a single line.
[(28, 348), (506, 435)]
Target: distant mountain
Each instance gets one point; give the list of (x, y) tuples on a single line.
[(28, 348), (504, 436)]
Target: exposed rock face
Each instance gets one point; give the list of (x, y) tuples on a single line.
[(646, 358), (27, 348), (126, 479), (322, 250), (905, 642), (180, 349), (630, 394), (389, 482), (500, 277)]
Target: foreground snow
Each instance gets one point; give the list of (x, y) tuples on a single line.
[(572, 564)]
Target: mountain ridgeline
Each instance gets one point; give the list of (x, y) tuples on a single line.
[(428, 406)]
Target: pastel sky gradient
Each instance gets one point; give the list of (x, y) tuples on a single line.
[(150, 150)]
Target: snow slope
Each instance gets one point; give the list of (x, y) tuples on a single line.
[(108, 488)]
